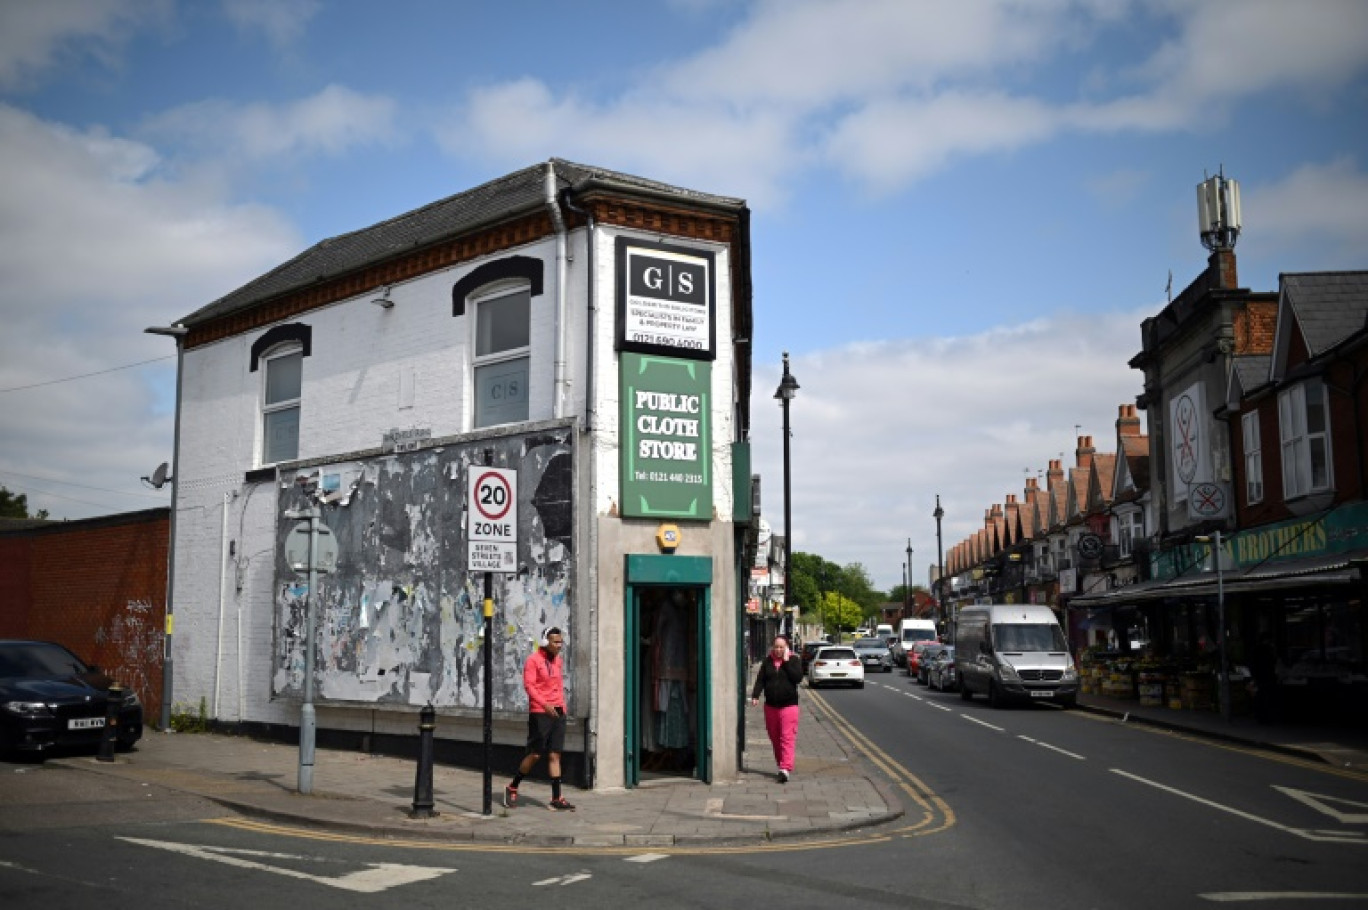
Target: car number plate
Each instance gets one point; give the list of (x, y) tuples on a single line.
[(85, 723), (1041, 693)]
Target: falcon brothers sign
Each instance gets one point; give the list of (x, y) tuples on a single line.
[(666, 334)]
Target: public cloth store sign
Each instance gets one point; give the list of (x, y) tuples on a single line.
[(666, 438)]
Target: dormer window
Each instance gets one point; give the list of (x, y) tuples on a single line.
[(1303, 426)]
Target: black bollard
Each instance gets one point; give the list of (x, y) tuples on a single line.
[(422, 784), (110, 734)]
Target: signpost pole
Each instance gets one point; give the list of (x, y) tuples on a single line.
[(488, 703), (307, 720)]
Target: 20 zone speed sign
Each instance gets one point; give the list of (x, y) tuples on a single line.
[(492, 519)]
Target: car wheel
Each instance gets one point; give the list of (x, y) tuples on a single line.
[(1069, 702), (994, 696), (965, 693), (860, 684)]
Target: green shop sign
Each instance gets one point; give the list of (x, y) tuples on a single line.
[(666, 439), (1340, 530)]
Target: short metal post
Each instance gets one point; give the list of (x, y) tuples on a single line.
[(422, 784), (110, 735)]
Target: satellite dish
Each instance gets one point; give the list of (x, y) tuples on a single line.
[(158, 478)]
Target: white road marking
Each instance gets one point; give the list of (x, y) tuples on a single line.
[(646, 858), (1238, 896), (1321, 803), (1061, 751), (378, 877), (983, 723), (1348, 837), (563, 879), (939, 707)]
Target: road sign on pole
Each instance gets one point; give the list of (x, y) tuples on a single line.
[(492, 520)]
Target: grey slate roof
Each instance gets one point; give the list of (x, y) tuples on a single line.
[(510, 196), (1330, 306), (1252, 370)]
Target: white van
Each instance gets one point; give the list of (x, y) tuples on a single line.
[(1014, 651), (911, 631), (884, 631)]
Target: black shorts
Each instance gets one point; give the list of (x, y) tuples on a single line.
[(545, 733)]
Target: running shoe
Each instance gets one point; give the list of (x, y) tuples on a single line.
[(560, 805), (783, 776), (510, 797)]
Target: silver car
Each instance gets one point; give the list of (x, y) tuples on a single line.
[(875, 655)]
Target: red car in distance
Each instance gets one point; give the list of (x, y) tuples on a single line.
[(914, 656)]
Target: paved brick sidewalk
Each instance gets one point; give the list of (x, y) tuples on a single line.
[(832, 791)]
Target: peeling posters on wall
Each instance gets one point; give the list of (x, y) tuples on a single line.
[(400, 621)]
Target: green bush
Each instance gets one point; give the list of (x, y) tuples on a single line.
[(185, 719)]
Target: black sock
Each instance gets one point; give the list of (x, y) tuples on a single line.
[(517, 779), (555, 788)]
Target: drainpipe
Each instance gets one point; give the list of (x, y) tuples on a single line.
[(558, 395), (591, 564), (178, 332)]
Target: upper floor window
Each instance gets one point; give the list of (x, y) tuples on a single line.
[(1303, 426), (502, 356), (1253, 457), (284, 375), (1130, 527)]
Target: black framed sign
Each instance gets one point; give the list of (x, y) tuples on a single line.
[(666, 300)]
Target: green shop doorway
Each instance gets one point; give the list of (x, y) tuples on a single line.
[(668, 696)]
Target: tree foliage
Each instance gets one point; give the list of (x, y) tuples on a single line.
[(16, 506), (839, 613), (813, 577)]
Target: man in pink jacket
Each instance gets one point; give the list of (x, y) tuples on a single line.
[(544, 680)]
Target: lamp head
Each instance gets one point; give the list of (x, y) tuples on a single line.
[(788, 386)]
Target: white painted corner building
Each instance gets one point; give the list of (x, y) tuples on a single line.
[(582, 332)]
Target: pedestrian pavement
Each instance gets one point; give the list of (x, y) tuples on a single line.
[(835, 791)]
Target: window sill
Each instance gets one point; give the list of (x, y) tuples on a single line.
[(259, 475)]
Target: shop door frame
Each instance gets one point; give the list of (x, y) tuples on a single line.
[(651, 571)]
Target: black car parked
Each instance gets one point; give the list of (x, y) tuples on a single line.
[(50, 699)]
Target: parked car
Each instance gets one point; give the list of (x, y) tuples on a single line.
[(809, 650), (874, 654), (941, 674), (914, 657), (50, 699), (836, 664)]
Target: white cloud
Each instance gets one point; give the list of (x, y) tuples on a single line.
[(893, 92), (889, 144), (524, 121), (96, 244), (879, 429), (36, 37), (331, 122), (1322, 204), (1237, 48), (281, 21)]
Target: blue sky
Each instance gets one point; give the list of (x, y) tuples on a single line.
[(961, 211)]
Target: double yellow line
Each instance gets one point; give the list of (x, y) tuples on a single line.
[(935, 814)]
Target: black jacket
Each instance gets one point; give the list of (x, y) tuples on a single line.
[(780, 684)]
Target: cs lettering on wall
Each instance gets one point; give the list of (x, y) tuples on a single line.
[(666, 300)]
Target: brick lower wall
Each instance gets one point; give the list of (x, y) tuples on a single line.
[(97, 586)]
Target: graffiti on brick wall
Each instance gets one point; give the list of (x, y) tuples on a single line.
[(136, 636), (400, 621)]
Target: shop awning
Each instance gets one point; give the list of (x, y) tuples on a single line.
[(1339, 569)]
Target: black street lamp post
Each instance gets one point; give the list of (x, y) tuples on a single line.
[(907, 591), (940, 561), (788, 388)]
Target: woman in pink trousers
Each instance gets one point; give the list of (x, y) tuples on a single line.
[(779, 676)]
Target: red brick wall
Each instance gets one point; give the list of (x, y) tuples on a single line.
[(97, 586)]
